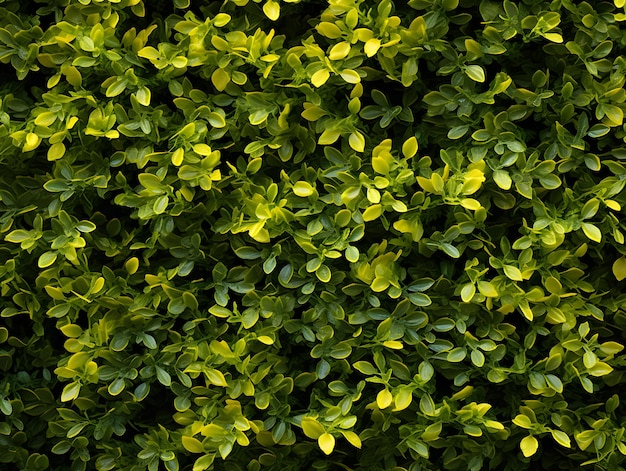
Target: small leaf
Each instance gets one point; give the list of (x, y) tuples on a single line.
[(220, 79), (372, 212), (320, 77), (357, 141), (410, 147), (590, 208), (513, 273), (339, 51), (46, 259), (326, 443), (271, 8), (70, 391), (384, 398), (561, 438), (303, 189), (312, 428), (352, 438), (529, 446), (216, 377), (475, 72), (191, 444), (592, 232), (56, 151)]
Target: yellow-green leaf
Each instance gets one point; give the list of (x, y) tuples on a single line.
[(471, 204), (619, 268), (561, 438), (475, 72), (372, 212), (513, 273), (192, 445), (312, 428), (131, 265), (592, 232), (303, 189), (357, 141), (371, 47), (384, 398), (529, 446), (350, 76), (326, 443), (486, 288), (409, 147), (339, 51), (56, 151), (220, 79), (352, 438), (320, 77), (271, 9), (32, 142)]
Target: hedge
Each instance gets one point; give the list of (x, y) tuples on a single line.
[(304, 234)]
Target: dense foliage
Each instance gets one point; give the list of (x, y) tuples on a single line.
[(299, 234)]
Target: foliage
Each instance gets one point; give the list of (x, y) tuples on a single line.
[(295, 234)]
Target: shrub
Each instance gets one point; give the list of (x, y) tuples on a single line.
[(295, 234)]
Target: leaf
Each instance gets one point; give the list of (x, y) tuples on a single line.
[(590, 208), (350, 76), (371, 47), (70, 391), (32, 141), (592, 232), (410, 147), (46, 259), (475, 72), (352, 438), (600, 369), (467, 292), (561, 438), (513, 272), (215, 377), (191, 444), (372, 212), (271, 8), (56, 151), (312, 428), (220, 79), (529, 446), (303, 189), (384, 398), (339, 51), (357, 141), (326, 443), (17, 236), (320, 77), (486, 288)]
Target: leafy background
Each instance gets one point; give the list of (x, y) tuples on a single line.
[(291, 235)]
